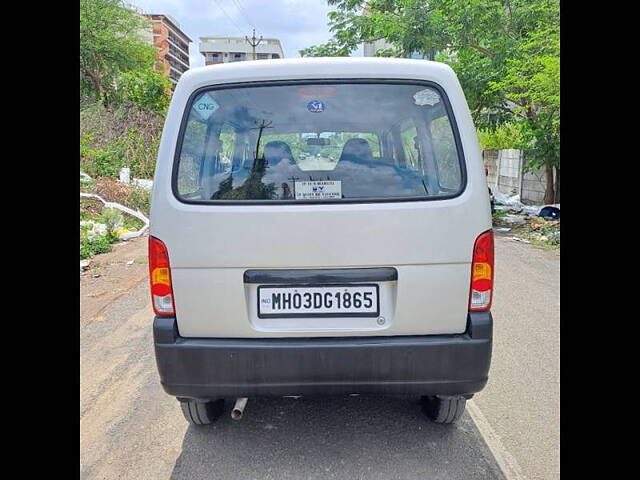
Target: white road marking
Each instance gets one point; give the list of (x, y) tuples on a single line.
[(507, 463)]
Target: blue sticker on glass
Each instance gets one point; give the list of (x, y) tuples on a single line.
[(205, 106), (315, 106)]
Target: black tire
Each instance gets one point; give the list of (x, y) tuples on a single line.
[(202, 413), (444, 409)]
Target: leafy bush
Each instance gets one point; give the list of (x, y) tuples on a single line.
[(104, 163), (100, 244), (147, 89), (112, 218), (504, 136), (85, 249), (93, 246), (113, 137)]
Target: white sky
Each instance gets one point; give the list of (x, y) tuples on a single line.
[(297, 23)]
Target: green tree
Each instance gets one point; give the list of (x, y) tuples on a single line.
[(147, 89), (532, 84), (505, 53), (111, 43), (329, 49)]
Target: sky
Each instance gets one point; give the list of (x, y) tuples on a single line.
[(297, 23)]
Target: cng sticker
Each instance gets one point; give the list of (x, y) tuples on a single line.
[(205, 106)]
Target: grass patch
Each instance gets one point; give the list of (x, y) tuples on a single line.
[(96, 244)]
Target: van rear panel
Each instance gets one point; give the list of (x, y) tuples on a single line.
[(291, 186)]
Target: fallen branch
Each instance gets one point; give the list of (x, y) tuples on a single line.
[(137, 214)]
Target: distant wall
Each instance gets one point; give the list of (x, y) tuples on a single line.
[(533, 187), (505, 175)]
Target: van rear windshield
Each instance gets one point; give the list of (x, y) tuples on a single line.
[(318, 143)]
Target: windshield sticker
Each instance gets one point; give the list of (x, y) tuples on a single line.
[(426, 97), (315, 92), (318, 190), (315, 106), (205, 106)]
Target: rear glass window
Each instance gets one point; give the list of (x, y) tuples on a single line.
[(318, 142)]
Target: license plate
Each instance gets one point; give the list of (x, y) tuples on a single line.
[(318, 301)]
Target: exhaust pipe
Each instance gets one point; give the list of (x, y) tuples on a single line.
[(238, 408)]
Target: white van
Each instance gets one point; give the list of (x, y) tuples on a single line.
[(321, 226)]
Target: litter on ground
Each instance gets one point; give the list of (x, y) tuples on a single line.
[(506, 203), (513, 219), (143, 183)]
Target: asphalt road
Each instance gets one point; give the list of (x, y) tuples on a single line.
[(131, 429), (521, 401)]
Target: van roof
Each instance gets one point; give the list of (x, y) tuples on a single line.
[(316, 68)]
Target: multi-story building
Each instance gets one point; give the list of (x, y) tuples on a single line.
[(237, 49), (172, 44)]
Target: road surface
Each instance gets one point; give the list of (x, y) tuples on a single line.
[(130, 429)]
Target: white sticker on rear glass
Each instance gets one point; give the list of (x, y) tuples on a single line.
[(318, 189), (205, 106), (426, 97)]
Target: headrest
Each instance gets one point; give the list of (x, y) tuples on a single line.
[(356, 149), (277, 151)]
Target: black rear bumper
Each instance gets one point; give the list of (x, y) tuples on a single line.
[(424, 365)]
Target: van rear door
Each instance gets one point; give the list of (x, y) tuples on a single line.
[(321, 208)]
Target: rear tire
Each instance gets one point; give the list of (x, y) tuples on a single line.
[(443, 409), (201, 413)]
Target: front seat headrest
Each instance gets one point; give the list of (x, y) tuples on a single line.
[(277, 151), (356, 149)]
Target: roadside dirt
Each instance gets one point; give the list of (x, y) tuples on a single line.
[(110, 276)]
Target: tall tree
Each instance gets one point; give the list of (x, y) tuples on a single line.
[(111, 43), (505, 53)]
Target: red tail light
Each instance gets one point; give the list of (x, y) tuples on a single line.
[(160, 276), (482, 273)]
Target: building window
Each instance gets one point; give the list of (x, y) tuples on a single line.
[(178, 42), (214, 57), (174, 76), (263, 56)]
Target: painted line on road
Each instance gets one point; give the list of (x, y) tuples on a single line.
[(507, 463)]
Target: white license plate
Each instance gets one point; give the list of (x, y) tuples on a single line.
[(318, 301)]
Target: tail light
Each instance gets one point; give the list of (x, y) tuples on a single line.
[(482, 273), (160, 276)]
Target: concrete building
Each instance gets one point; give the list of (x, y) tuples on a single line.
[(236, 49), (370, 48), (172, 44)]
